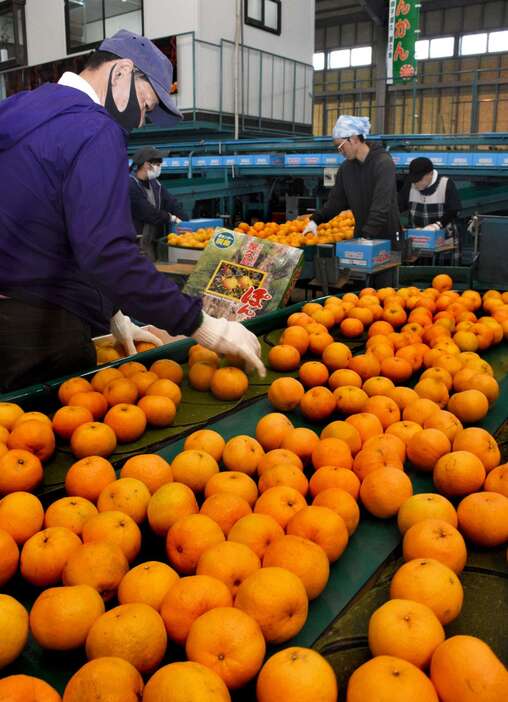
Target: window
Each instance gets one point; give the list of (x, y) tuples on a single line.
[(89, 21), (264, 14), (345, 58), (318, 61), (12, 34), (361, 56), (498, 41), (473, 44), (340, 58), (422, 49), (442, 47)]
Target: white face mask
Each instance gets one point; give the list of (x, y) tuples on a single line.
[(154, 172)]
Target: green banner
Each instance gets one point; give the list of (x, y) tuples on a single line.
[(403, 31)]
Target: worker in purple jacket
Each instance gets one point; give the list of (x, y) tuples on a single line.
[(68, 253)]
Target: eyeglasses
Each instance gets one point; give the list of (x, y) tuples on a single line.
[(339, 147)]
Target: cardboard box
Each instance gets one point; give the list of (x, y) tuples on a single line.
[(364, 254), (193, 225), (426, 239), (240, 277)]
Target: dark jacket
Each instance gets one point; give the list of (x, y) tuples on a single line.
[(369, 189), (143, 212), (66, 232), (452, 204)]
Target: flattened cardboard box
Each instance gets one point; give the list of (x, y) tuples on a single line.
[(240, 277)]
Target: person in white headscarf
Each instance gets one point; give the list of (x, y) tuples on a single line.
[(365, 183)]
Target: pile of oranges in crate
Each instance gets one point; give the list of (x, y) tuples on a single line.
[(192, 240)]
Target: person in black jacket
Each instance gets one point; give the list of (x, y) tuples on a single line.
[(151, 205), (365, 183), (431, 199)]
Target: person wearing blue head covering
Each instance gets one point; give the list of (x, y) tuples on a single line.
[(68, 252), (365, 183)]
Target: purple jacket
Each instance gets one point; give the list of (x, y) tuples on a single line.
[(66, 233)]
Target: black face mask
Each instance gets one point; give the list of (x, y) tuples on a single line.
[(129, 118)]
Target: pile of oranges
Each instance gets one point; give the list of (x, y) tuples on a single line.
[(250, 526), (291, 233), (192, 240), (107, 351)]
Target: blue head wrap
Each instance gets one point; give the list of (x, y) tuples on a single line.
[(347, 126)]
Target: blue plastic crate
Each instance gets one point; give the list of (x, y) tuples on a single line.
[(207, 161), (485, 159), (175, 162), (192, 225), (460, 159), (331, 160), (364, 254)]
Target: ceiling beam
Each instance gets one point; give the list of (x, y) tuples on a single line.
[(376, 9)]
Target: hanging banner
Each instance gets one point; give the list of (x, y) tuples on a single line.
[(403, 31)]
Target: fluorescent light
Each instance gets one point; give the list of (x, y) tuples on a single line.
[(340, 58), (498, 41), (473, 44), (442, 47), (361, 56), (318, 61)]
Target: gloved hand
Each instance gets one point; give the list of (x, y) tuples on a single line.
[(311, 228), (126, 332), (224, 336), (175, 219), (433, 227)]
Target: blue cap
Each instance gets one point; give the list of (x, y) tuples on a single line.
[(156, 67), (348, 125)]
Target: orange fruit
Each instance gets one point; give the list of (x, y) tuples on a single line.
[(127, 495), (486, 384), (102, 378), (148, 582), (9, 557), (386, 410), (61, 617), (396, 369), (350, 399), (20, 688), (167, 368), (284, 475), (336, 356), (390, 445), (257, 531), (206, 440), (497, 480), (403, 430), (281, 503), (384, 490), (229, 642), (70, 387), (464, 668), (159, 411), (317, 404), (45, 554), (131, 367), (367, 424), (431, 583), (188, 538), (370, 459), (344, 376), (276, 599), (188, 599), (127, 421), (69, 512), (142, 380), (435, 538), (351, 327), (299, 674), (14, 628), (93, 401), (199, 354), (406, 629), (225, 509), (116, 528), (165, 388), (459, 473), (271, 429), (332, 452), (425, 505), (297, 337), (201, 682), (229, 384), (194, 469), (134, 632), (469, 406), (313, 373), (396, 679), (20, 470), (366, 365), (323, 526), (200, 376), (301, 441), (420, 410), (34, 436), (434, 390), (445, 421), (426, 447), (318, 342), (88, 477), (285, 393), (377, 385), (242, 453), (342, 503), (230, 562), (481, 443), (21, 515), (153, 470), (440, 374), (168, 504), (93, 439), (284, 358), (232, 483), (68, 418), (483, 518), (302, 557), (110, 678), (121, 391), (334, 477), (344, 431), (9, 413), (280, 456), (442, 282)]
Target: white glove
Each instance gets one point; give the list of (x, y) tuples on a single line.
[(175, 219), (433, 227), (311, 228), (126, 332), (224, 336)]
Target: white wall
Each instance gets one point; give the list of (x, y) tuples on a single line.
[(45, 31), (166, 17)]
